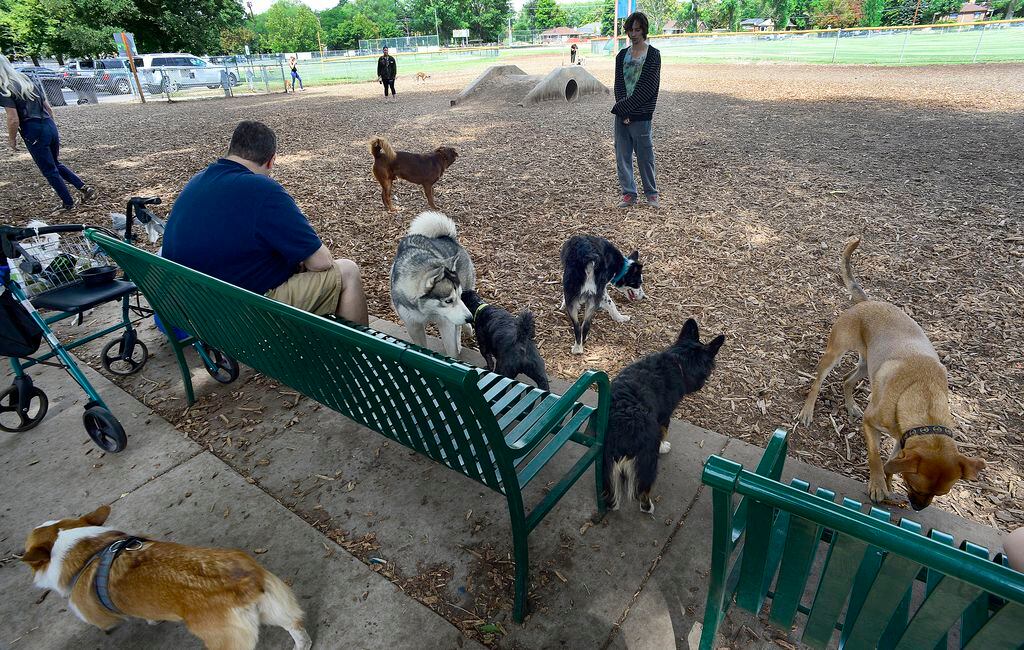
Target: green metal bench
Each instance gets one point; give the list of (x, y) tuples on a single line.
[(766, 549), (489, 428)]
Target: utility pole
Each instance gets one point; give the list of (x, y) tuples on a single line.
[(437, 29)]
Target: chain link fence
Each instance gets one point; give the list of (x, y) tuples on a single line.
[(925, 44), (400, 44)]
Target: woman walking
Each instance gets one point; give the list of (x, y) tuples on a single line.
[(295, 75), (637, 80), (29, 113)]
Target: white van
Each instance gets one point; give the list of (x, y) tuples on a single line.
[(169, 71)]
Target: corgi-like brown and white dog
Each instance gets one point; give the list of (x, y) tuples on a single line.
[(221, 595)]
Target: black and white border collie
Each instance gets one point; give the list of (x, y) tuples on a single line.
[(589, 266), (644, 395)]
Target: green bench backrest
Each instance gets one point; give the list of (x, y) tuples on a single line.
[(865, 586), (423, 401)]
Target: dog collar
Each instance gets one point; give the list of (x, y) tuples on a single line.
[(931, 429), (479, 309), (626, 263), (106, 556)]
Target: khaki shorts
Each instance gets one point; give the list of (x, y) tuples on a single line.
[(316, 292)]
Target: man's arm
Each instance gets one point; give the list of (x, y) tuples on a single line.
[(12, 127), (321, 260)]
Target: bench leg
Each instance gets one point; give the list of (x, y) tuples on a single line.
[(521, 550), (186, 374)]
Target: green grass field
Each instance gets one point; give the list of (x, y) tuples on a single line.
[(908, 47)]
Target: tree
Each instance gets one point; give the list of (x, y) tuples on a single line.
[(182, 25), (488, 19), (835, 13), (658, 12), (1006, 7), (872, 13), (577, 14), (930, 11), (608, 18), (291, 27), (30, 26), (548, 15), (234, 39), (526, 21), (780, 11)]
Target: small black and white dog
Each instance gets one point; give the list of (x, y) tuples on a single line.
[(644, 395), (589, 265), (506, 341)]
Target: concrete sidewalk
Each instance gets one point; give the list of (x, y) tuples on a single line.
[(166, 486), (282, 473)]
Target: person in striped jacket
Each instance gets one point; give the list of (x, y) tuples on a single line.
[(637, 80)]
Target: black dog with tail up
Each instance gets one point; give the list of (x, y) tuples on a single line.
[(506, 341), (644, 395)]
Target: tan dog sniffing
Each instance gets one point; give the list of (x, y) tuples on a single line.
[(221, 595), (909, 396)]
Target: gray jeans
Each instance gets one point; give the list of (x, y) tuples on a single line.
[(635, 136)]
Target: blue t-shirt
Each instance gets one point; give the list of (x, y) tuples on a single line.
[(241, 227)]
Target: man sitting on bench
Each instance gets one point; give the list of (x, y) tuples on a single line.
[(233, 222)]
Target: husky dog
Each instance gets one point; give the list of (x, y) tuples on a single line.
[(506, 341), (428, 276), (589, 265), (644, 395)]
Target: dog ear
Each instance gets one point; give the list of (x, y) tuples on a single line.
[(970, 466), (432, 277), (715, 345), (98, 516), (36, 556), (689, 332), (903, 463), (635, 256)]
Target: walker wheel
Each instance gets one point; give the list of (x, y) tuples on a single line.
[(104, 429), (13, 418), (220, 366), (116, 361)]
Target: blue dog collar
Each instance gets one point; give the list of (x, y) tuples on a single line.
[(626, 263)]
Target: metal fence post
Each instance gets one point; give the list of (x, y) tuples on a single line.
[(904, 48), (978, 47), (836, 46)]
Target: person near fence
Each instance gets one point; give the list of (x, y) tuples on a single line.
[(387, 70), (29, 113), (233, 222), (295, 75), (572, 54), (637, 81)]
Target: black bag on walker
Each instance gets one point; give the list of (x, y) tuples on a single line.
[(20, 336)]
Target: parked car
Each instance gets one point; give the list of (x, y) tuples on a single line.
[(114, 75), (167, 72), (38, 73)]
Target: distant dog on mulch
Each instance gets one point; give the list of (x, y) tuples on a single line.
[(589, 266), (422, 76), (644, 395), (506, 341), (419, 168)]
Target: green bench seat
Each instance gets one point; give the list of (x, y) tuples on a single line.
[(489, 428), (765, 549)]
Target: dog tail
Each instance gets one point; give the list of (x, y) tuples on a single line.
[(433, 224), (621, 478), (278, 606), (846, 270), (381, 148)]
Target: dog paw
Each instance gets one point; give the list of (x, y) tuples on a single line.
[(879, 493), (577, 349), (622, 319), (647, 508), (806, 416), (665, 447)]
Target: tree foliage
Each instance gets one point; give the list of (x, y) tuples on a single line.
[(548, 14)]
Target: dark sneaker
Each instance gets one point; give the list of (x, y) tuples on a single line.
[(88, 193), (652, 201), (628, 201)]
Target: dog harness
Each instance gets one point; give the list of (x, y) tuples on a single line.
[(931, 429), (626, 263), (479, 309), (106, 556)]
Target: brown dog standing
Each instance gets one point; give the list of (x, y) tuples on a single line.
[(909, 396), (419, 168)]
